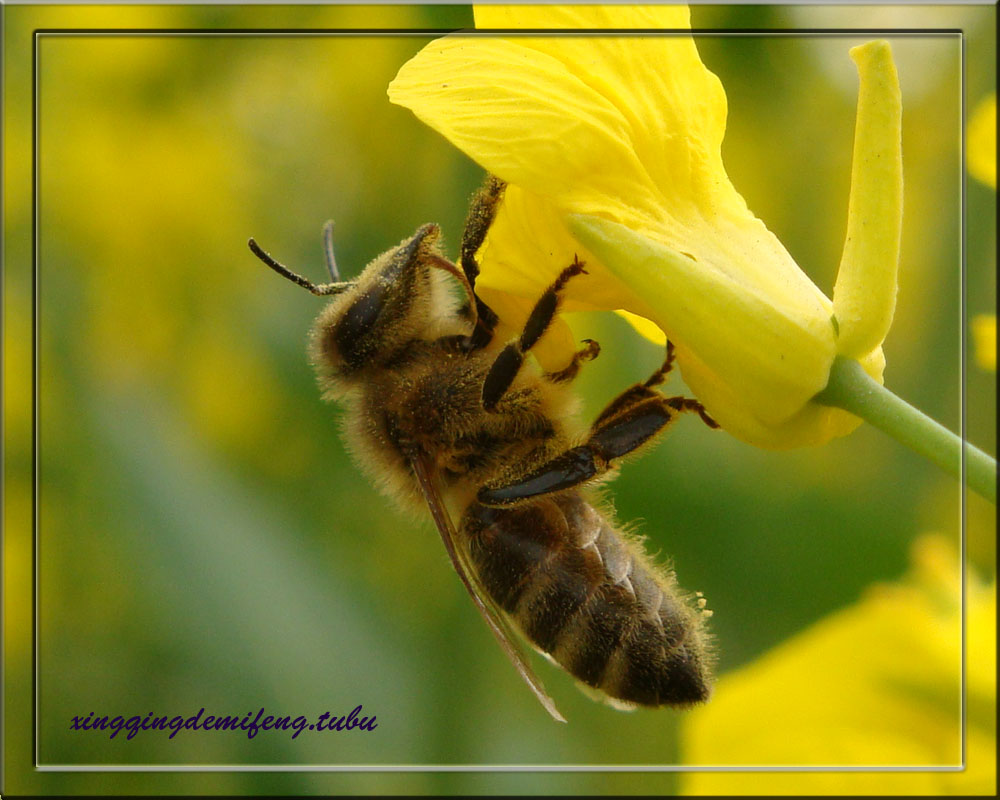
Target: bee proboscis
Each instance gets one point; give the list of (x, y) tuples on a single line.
[(439, 412)]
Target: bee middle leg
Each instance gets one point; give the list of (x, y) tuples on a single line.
[(589, 352), (508, 363), (628, 422)]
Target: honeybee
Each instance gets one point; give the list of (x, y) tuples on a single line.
[(439, 413)]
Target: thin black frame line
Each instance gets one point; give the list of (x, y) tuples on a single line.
[(963, 408), (37, 34), (35, 333), (515, 32), (3, 465), (483, 768)]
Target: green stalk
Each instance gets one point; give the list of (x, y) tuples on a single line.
[(854, 390)]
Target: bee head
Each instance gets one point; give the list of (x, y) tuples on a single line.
[(391, 303)]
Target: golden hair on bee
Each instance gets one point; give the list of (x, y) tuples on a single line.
[(441, 415)]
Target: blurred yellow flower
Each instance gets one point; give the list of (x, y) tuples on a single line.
[(614, 143), (981, 153), (876, 684), (984, 340), (982, 162)]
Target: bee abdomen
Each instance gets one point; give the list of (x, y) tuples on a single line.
[(582, 595)]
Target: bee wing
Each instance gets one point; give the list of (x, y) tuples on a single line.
[(459, 560)]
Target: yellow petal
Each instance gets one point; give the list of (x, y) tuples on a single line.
[(811, 425), (864, 297), (527, 119), (982, 141), (581, 16), (774, 357), (567, 119), (529, 245), (644, 327), (675, 114)]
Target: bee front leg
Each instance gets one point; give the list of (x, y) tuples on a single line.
[(482, 212), (508, 363)]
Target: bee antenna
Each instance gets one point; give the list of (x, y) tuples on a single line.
[(317, 289), (331, 259)]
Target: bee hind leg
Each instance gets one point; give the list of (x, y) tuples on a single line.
[(508, 363), (643, 391), (628, 422)]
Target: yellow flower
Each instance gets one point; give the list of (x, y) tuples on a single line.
[(876, 684), (981, 138), (984, 337), (612, 149)]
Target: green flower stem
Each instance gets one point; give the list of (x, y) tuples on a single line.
[(854, 390)]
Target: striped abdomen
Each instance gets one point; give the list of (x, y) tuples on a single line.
[(583, 595)]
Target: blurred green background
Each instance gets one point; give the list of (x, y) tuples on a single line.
[(204, 540)]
